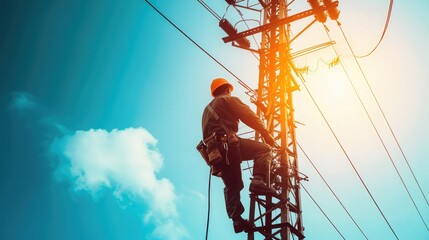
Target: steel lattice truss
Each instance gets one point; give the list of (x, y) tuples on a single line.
[(279, 218)]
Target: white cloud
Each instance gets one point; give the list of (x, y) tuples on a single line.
[(125, 161), (165, 231), (122, 161)]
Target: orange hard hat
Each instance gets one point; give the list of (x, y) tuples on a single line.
[(217, 82)]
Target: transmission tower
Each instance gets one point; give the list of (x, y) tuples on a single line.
[(278, 217)]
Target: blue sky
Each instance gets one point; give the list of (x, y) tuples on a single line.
[(101, 104)]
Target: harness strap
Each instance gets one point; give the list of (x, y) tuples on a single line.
[(227, 130)]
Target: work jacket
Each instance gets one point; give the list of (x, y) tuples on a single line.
[(230, 110)]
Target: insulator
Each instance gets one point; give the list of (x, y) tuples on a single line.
[(333, 11), (319, 15), (227, 27), (231, 31), (230, 2)]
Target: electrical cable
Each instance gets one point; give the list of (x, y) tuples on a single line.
[(384, 31), (226, 11), (208, 204), (343, 149), (220, 18), (249, 90), (253, 36), (338, 231), (290, 3), (380, 138), (384, 116), (247, 20), (244, 133), (332, 191), (317, 66), (209, 9), (201, 48), (329, 64)]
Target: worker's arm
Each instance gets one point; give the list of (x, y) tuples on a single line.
[(248, 117)]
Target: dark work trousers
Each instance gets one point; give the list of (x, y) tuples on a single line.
[(250, 150)]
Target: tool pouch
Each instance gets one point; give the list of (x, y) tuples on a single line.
[(213, 152), (202, 149), (213, 149)]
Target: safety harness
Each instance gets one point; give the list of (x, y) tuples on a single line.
[(211, 148)]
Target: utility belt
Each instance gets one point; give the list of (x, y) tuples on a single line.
[(220, 150)]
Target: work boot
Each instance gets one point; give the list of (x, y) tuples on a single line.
[(241, 224), (259, 187)]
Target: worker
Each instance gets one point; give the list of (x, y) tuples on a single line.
[(231, 110)]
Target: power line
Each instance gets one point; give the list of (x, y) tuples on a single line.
[(332, 191), (342, 148), (329, 64), (201, 48), (384, 31), (245, 22), (249, 90), (384, 116), (338, 231), (209, 9), (379, 137), (226, 10), (219, 19)]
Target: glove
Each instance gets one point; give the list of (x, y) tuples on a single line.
[(269, 139)]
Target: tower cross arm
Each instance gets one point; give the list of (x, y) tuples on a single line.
[(277, 23)]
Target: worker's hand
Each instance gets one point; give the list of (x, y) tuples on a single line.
[(269, 139)]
